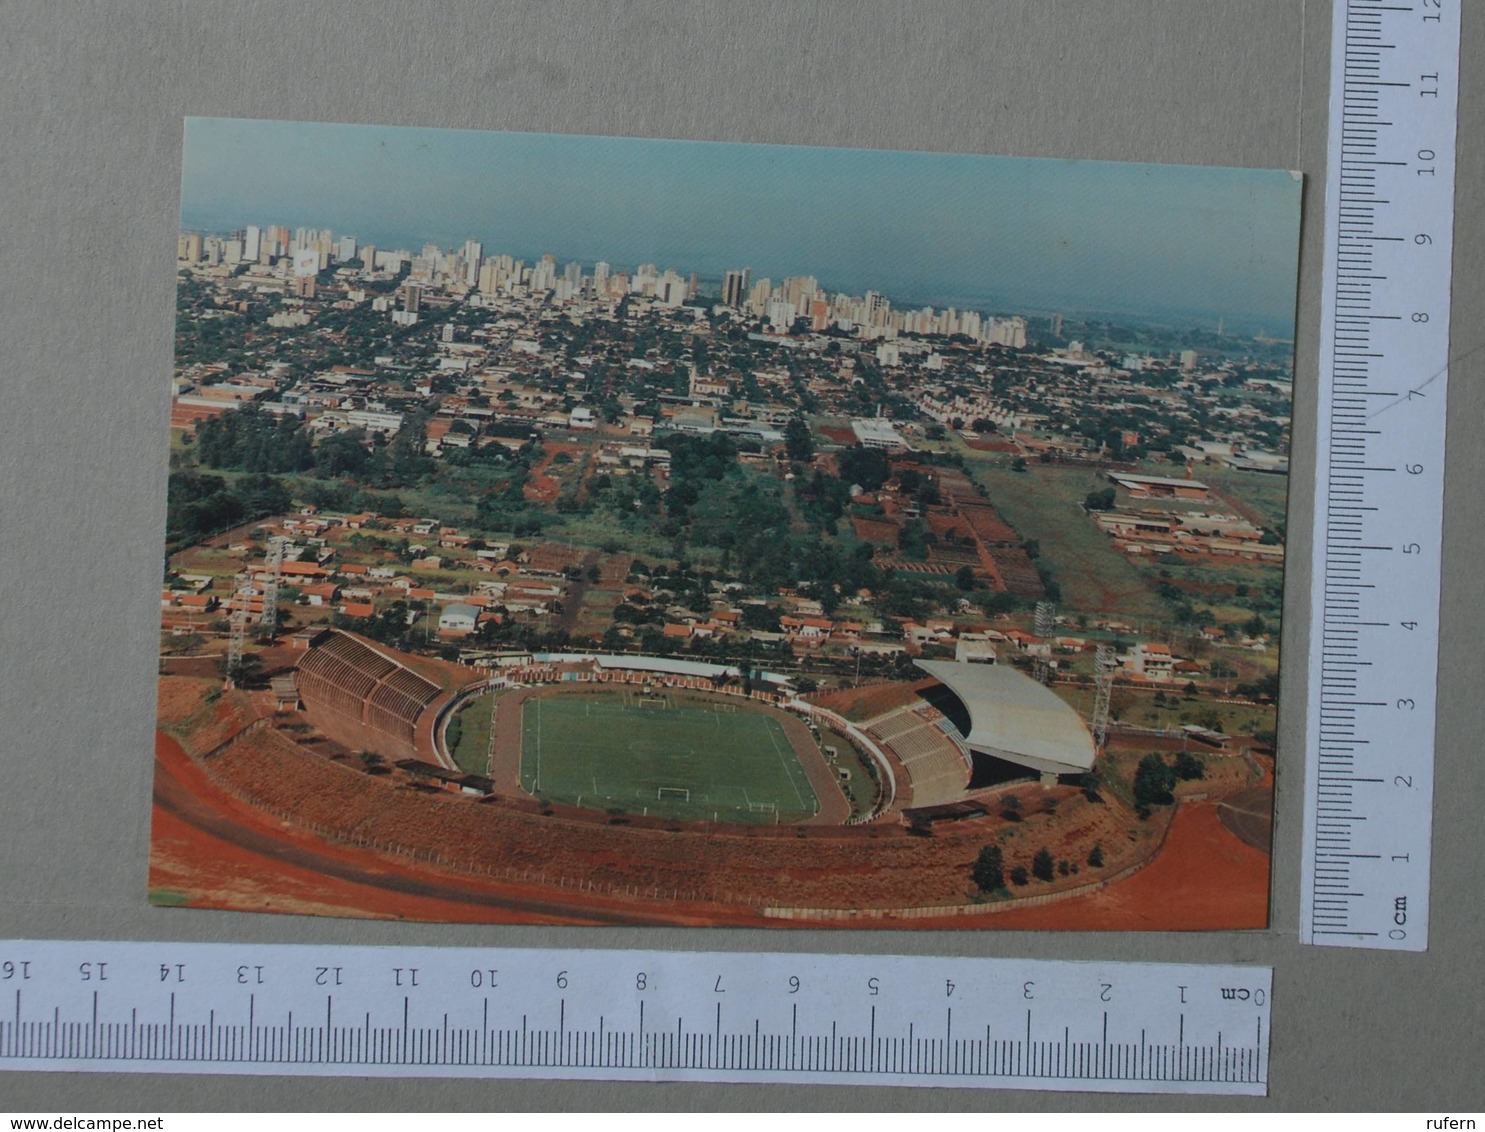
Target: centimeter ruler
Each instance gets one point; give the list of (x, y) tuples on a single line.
[(633, 1016), (1380, 473)]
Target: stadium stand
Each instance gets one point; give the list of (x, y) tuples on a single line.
[(937, 766), (343, 675)]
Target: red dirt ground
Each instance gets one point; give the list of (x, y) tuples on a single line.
[(220, 853), (868, 701), (224, 854), (1204, 879), (211, 849)]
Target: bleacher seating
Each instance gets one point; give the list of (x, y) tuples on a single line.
[(343, 675), (937, 766)]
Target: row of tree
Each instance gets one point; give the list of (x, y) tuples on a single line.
[(990, 874)]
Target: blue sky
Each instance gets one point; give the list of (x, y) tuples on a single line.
[(998, 233)]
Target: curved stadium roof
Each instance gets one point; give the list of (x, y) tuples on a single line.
[(1012, 717)]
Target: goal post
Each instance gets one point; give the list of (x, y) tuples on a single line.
[(678, 792)]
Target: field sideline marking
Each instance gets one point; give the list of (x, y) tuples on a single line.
[(797, 795)]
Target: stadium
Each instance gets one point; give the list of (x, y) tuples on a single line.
[(685, 740), (597, 788)]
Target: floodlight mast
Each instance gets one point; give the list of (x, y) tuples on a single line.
[(237, 627), (1103, 686), (1046, 618), (269, 621), (1046, 622)]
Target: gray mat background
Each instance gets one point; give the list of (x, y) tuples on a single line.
[(90, 128)]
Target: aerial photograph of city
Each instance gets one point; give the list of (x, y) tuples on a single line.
[(587, 530)]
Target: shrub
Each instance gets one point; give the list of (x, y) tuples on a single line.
[(989, 869), (1042, 865)]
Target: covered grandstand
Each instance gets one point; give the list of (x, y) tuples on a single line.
[(348, 678), (1013, 718)]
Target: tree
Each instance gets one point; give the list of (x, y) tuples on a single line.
[(868, 467), (989, 869), (1189, 767), (964, 579), (1091, 780), (1099, 500), (1095, 857), (1019, 877), (1042, 865), (1154, 780), (799, 445)]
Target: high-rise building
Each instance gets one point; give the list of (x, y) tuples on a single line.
[(1007, 332), (193, 247), (819, 314), (544, 275), (474, 255), (368, 257), (412, 297), (345, 248), (671, 289), (252, 243), (758, 297), (735, 288), (780, 313)]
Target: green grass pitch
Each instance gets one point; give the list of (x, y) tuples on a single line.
[(615, 751)]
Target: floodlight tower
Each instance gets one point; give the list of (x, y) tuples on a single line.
[(1103, 687), (1046, 622), (269, 621), (237, 625), (1046, 618)]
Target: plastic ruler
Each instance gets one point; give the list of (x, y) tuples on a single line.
[(633, 1016), (1380, 473)]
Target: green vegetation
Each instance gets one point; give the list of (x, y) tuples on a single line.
[(989, 869), (1154, 781), (1042, 865), (199, 506), (1092, 576), (468, 735), (1189, 767), (668, 755)]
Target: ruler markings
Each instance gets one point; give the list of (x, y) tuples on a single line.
[(152, 1007), (1379, 488)]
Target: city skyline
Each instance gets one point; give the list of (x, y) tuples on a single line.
[(1025, 234)]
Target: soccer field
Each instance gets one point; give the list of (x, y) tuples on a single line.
[(670, 756)]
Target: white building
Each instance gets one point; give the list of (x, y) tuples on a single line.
[(875, 433), (458, 618)]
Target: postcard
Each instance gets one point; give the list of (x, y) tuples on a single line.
[(593, 530)]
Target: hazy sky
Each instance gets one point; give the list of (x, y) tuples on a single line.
[(998, 233)]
